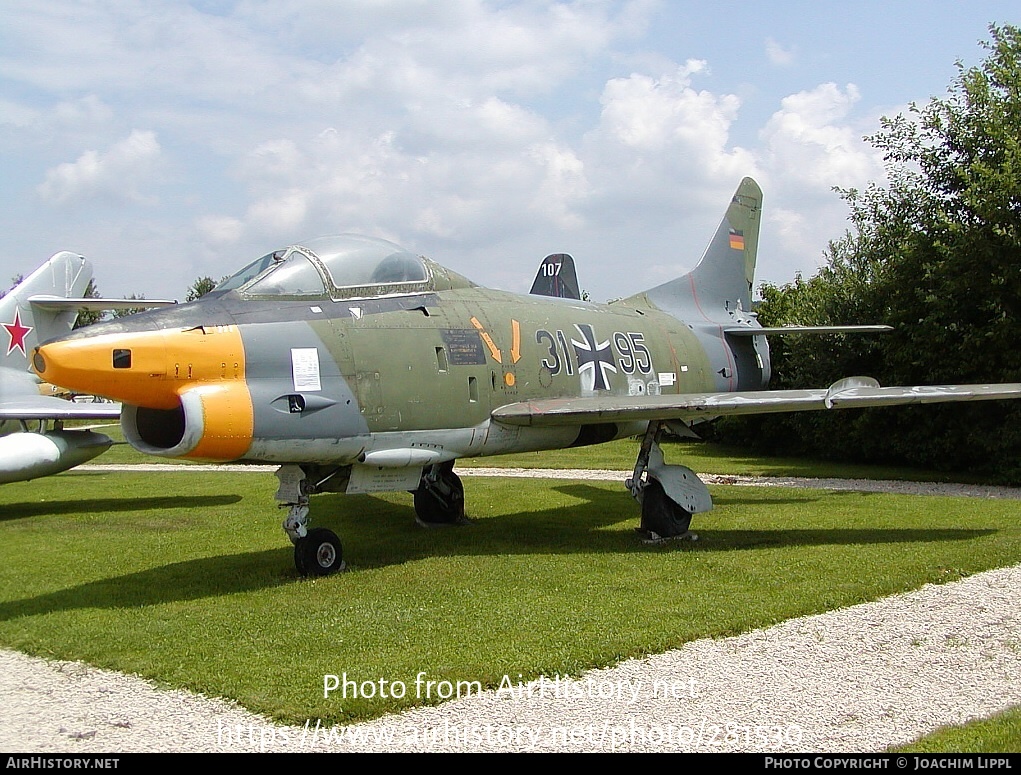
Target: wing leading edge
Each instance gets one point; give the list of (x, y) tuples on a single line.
[(850, 393), (50, 408)]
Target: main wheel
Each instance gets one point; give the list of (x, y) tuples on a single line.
[(434, 507), (660, 515), (319, 553)]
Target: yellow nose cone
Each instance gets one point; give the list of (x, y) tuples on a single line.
[(144, 368)]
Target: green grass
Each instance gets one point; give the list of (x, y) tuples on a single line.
[(187, 578), (998, 734)]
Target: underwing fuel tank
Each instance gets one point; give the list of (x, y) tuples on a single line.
[(28, 455)]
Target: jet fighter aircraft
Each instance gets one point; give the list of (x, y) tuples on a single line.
[(360, 367), (40, 307)]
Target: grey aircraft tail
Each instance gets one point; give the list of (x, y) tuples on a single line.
[(715, 297), (722, 281)]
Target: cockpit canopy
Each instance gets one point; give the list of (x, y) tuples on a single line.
[(344, 266)]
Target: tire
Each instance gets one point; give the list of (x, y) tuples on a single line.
[(660, 515), (319, 553), (433, 511)]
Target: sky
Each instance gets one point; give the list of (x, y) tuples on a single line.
[(168, 141)]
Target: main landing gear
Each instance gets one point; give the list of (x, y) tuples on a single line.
[(669, 494), (439, 499)]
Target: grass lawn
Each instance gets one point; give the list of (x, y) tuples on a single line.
[(999, 734), (186, 578)]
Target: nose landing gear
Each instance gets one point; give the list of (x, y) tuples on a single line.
[(317, 552)]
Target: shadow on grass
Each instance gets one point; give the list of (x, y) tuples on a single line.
[(189, 580), (99, 505), (384, 534)]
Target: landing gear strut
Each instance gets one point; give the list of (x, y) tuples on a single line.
[(439, 499), (317, 552), (669, 494)]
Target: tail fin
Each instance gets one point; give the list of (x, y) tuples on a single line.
[(723, 279), (556, 277), (27, 324), (717, 295)]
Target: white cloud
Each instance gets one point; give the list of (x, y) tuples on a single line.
[(121, 174), (778, 55), (220, 230), (662, 142), (469, 128), (811, 140), (89, 110), (563, 187), (810, 146), (15, 114), (284, 212)]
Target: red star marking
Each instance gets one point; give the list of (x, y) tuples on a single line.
[(18, 333)]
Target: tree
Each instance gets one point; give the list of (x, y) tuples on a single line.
[(123, 313), (15, 281), (936, 253), (87, 317), (201, 287)]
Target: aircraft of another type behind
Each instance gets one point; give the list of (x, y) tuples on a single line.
[(44, 305), (361, 367)]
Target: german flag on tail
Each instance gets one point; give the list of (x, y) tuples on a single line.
[(736, 239)]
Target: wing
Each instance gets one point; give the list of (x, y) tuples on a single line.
[(49, 408), (760, 330), (855, 392)]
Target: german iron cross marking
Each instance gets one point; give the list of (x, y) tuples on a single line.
[(594, 360)]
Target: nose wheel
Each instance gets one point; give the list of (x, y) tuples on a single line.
[(319, 553)]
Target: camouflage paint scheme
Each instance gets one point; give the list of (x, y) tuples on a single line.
[(360, 367)]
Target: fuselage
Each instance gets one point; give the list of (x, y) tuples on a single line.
[(350, 350), (229, 378)]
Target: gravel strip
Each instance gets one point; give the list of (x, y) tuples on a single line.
[(860, 485), (853, 680), (857, 679)]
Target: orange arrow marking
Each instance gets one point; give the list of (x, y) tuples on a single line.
[(493, 349), (515, 341)]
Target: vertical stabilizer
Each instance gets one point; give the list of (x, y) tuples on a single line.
[(557, 277), (717, 294), (23, 324), (724, 277)]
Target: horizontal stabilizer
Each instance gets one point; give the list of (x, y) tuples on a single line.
[(96, 305), (854, 393)]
